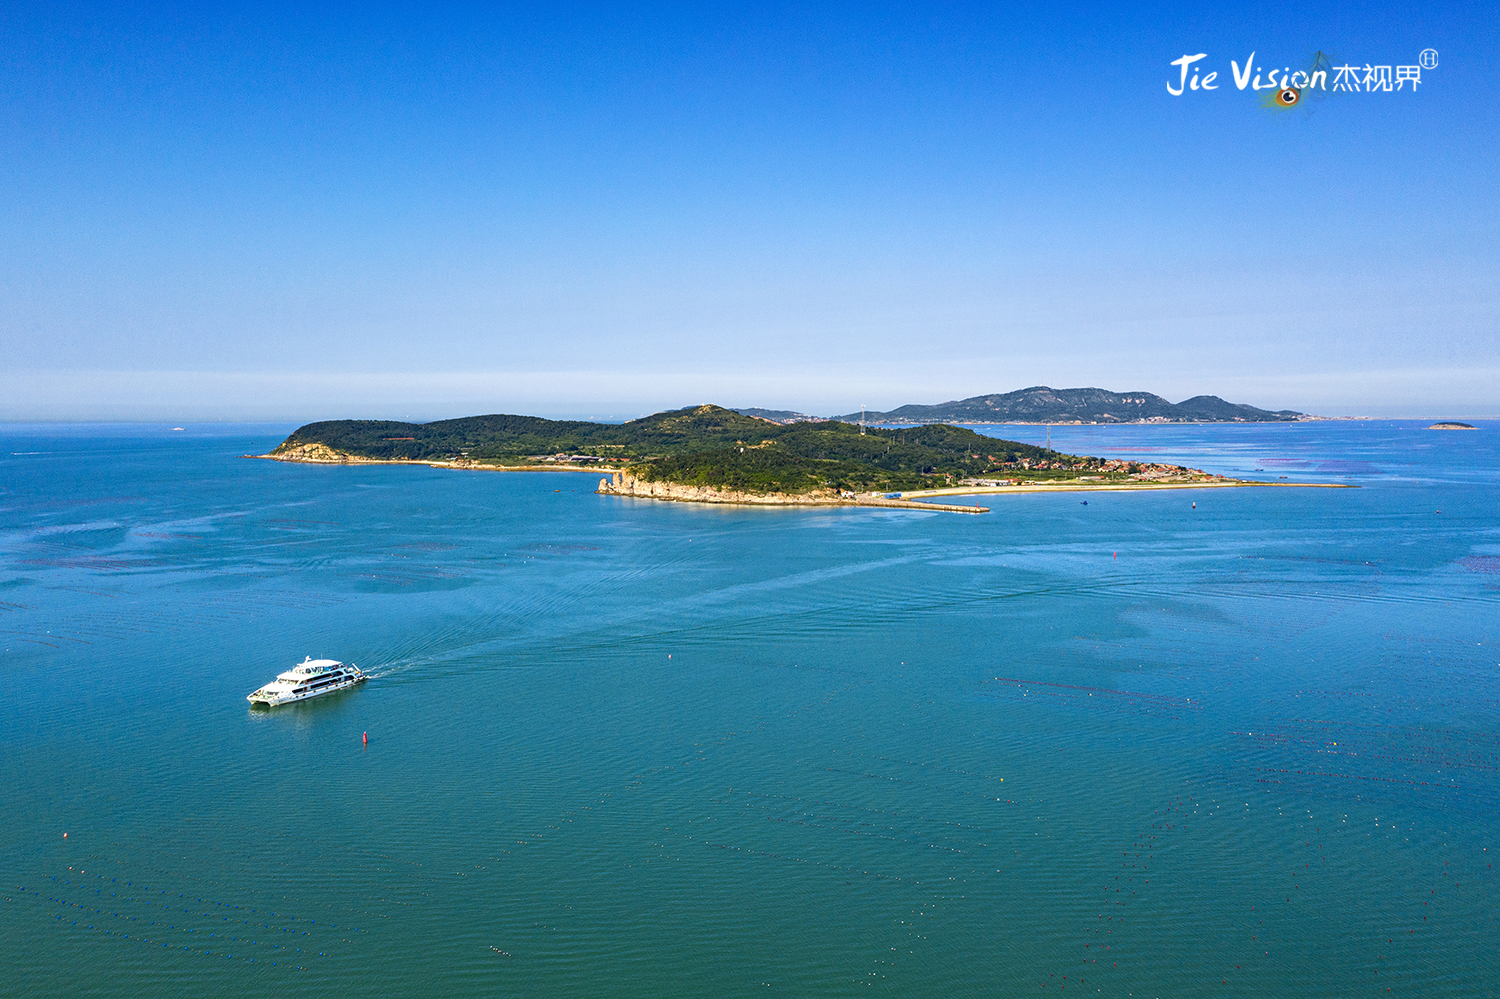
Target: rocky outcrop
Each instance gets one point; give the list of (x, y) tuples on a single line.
[(321, 453), (625, 484)]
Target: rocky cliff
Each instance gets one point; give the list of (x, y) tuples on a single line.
[(314, 452), (626, 484)]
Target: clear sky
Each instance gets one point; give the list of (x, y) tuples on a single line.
[(605, 211)]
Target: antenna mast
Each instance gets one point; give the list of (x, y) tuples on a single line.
[(862, 408)]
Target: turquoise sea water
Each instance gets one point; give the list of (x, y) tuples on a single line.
[(626, 748)]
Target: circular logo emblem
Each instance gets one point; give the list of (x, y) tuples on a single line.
[(1428, 58), (1289, 96)]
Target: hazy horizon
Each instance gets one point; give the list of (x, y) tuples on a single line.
[(208, 416)]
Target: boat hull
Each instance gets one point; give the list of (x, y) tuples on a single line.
[(259, 699)]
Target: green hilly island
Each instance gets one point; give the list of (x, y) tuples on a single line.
[(717, 448), (1042, 404)]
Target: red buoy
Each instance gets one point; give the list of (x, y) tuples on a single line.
[(367, 738)]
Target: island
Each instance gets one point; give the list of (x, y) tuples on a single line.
[(1452, 425), (709, 454), (1041, 404)]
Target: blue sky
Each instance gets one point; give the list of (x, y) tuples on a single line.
[(601, 211)]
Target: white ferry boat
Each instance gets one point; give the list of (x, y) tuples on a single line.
[(309, 678)]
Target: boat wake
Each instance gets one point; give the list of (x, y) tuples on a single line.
[(383, 670)]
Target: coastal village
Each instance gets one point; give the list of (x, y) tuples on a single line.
[(1110, 469)]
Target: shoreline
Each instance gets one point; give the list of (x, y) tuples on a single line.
[(620, 483), (463, 466), (623, 483), (1098, 423), (1121, 487), (782, 499)]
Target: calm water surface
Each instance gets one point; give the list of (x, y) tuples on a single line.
[(629, 748)]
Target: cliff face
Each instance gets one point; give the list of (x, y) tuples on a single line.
[(625, 484), (312, 452)]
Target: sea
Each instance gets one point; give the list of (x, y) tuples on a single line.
[(1189, 743)]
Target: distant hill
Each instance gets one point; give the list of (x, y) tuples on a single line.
[(1041, 404), (779, 415)]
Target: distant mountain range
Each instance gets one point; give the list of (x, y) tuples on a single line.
[(1041, 404)]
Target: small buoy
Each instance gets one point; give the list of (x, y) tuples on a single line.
[(1195, 506), (1117, 554), (65, 835), (367, 738)]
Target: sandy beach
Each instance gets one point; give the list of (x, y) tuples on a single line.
[(1117, 487)]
